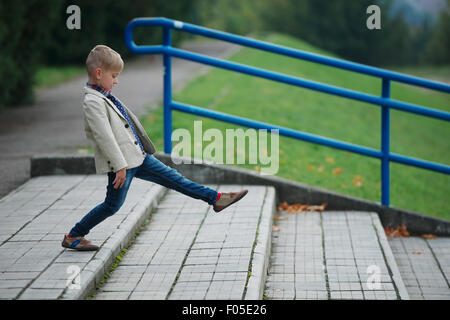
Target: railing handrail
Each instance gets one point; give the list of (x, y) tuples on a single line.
[(270, 75), (384, 101), (269, 47)]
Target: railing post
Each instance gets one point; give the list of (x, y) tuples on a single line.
[(385, 144), (167, 41)]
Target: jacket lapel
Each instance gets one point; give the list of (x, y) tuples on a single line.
[(111, 104)]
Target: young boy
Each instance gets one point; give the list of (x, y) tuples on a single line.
[(123, 150)]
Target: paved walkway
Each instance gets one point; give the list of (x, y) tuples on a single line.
[(332, 255)]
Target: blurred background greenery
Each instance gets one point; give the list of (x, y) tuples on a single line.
[(34, 39)]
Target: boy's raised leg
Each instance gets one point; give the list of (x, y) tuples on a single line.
[(154, 170)]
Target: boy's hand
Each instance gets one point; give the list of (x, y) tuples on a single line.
[(121, 176)]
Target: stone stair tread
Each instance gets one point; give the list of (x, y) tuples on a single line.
[(332, 255), (187, 251)]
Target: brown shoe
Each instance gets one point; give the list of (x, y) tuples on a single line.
[(78, 243), (227, 199)]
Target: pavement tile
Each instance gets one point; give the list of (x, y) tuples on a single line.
[(196, 276), (114, 295), (41, 294), (280, 294), (311, 295), (347, 295)]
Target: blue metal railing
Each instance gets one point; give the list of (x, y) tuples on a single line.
[(384, 101)]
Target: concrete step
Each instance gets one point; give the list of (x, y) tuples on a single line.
[(424, 265), (187, 251), (332, 255), (34, 219)]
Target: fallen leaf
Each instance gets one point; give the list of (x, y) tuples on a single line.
[(320, 169), (280, 218), (276, 228), (429, 236), (357, 181), (310, 167), (403, 231), (337, 170), (317, 208), (398, 232), (330, 160), (417, 252), (283, 206), (391, 232), (298, 207), (257, 169)]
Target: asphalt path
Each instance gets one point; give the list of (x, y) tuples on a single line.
[(54, 123)]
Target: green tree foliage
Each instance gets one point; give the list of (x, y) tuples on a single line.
[(235, 16), (438, 49), (340, 26), (104, 22), (24, 29), (34, 32)]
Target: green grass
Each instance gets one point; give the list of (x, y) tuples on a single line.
[(437, 73), (329, 116), (49, 76)]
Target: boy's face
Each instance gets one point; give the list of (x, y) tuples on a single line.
[(107, 79)]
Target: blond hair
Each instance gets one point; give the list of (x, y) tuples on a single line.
[(105, 58)]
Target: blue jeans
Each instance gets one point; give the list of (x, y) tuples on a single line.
[(151, 170)]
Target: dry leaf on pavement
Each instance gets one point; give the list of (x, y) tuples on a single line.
[(398, 232), (298, 207), (276, 228)]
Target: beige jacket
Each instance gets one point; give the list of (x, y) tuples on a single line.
[(114, 143)]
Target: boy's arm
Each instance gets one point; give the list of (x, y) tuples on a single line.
[(97, 119)]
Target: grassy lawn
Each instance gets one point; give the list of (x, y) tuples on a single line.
[(48, 76), (329, 116)]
